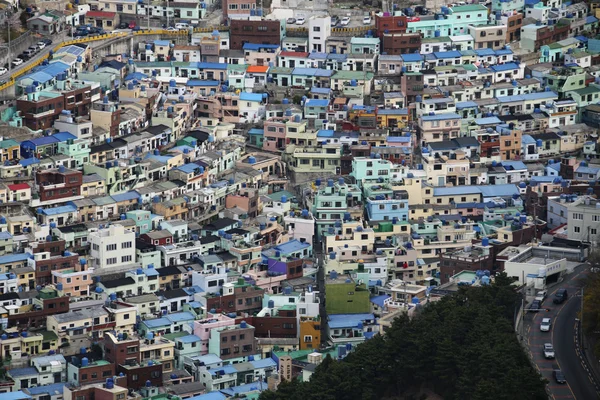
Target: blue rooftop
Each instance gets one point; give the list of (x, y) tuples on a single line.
[(47, 389), (11, 258), (188, 168), (209, 359), (466, 104), (14, 396), (251, 97), (209, 396), (318, 90), (150, 272), (64, 136), (248, 387), (527, 139), (412, 57), (587, 170), (485, 190), (207, 65), (41, 141), (336, 321), (263, 363), (255, 46), (180, 316), (488, 121), (528, 96), (199, 82), (135, 75), (393, 111), (325, 133), (256, 131), (440, 117), (446, 54), (157, 322), (59, 210), (504, 67), (189, 339), (485, 52), (128, 196), (292, 246), (378, 300), (514, 165), (29, 161), (316, 103), (20, 372)]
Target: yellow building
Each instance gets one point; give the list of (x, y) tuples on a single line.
[(310, 333), (25, 277), (172, 209), (14, 344), (162, 350)]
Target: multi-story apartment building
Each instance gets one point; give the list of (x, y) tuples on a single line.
[(112, 247)]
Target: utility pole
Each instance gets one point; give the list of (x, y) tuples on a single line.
[(8, 14), (168, 14)]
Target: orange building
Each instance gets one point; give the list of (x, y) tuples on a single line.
[(310, 333)]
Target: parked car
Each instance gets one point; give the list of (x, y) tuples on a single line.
[(541, 295), (335, 20), (560, 296), (47, 41), (124, 25), (548, 350), (132, 25), (535, 306), (23, 56), (559, 377), (291, 21), (367, 20), (80, 34), (300, 21), (3, 71), (545, 324), (17, 62), (172, 29), (345, 21), (41, 45), (33, 48)]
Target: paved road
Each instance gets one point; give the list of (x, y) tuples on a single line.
[(562, 335)]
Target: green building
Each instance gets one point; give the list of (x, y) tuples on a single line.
[(333, 202), (345, 296)]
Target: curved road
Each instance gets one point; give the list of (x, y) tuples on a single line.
[(579, 385)]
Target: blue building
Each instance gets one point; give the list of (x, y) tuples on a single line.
[(383, 203)]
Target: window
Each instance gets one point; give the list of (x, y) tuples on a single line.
[(316, 29), (126, 259), (307, 339), (111, 247), (225, 352), (106, 373), (578, 216), (126, 245), (155, 374), (576, 229), (134, 377), (111, 261)]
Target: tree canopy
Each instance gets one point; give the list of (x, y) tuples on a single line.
[(461, 347)]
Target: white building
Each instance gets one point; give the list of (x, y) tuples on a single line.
[(584, 219), (300, 226), (319, 29), (112, 247)]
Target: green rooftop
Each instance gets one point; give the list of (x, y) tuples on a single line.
[(349, 75), (469, 7), (48, 336), (173, 336), (436, 39), (5, 144)]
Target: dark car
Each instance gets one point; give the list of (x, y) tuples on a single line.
[(560, 296), (80, 33), (123, 25), (558, 376), (46, 41), (535, 306), (23, 57)]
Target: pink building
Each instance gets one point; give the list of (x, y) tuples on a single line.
[(203, 327), (274, 135), (74, 284), (270, 284)]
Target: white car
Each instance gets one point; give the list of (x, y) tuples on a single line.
[(545, 325), (345, 21), (3, 70), (367, 20), (17, 61), (41, 45), (548, 350), (172, 29), (300, 21), (541, 295)]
